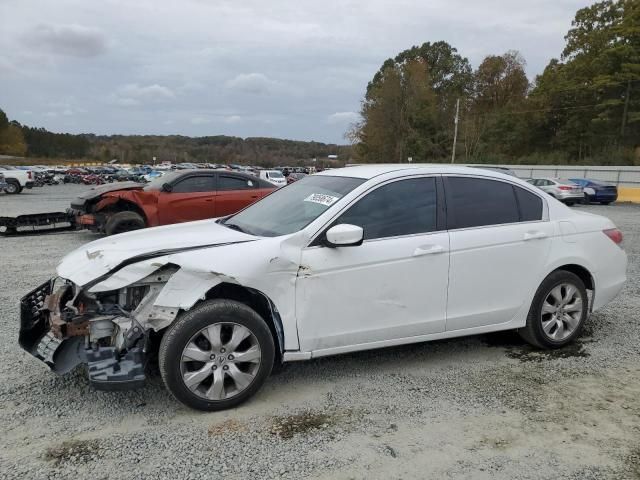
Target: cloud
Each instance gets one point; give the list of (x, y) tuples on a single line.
[(132, 94), (342, 118), (149, 92), (200, 120), (287, 72), (254, 83), (231, 119), (69, 40)]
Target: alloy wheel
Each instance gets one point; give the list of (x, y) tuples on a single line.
[(561, 311), (220, 361)]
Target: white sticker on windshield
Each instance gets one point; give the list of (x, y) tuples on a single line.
[(322, 199)]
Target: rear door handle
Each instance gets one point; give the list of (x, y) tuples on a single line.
[(534, 235), (428, 250)]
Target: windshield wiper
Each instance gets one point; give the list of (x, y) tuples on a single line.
[(233, 226)]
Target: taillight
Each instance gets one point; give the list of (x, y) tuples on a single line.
[(564, 187), (615, 235), (29, 175)]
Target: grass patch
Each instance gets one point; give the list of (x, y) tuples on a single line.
[(287, 426), (73, 451), (228, 426)]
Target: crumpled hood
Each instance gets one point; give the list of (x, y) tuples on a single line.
[(102, 189), (97, 258)]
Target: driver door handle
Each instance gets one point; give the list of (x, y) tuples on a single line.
[(427, 250), (535, 235)]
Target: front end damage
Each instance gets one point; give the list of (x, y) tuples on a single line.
[(114, 297), (64, 325), (91, 209)]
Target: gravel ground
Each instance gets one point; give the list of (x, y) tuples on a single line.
[(479, 407)]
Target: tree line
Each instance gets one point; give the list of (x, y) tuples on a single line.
[(22, 140), (584, 108)]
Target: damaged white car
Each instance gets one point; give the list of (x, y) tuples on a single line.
[(352, 259)]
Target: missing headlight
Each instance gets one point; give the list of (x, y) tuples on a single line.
[(133, 296)]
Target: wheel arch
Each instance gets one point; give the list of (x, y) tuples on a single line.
[(259, 302), (121, 205), (583, 274)]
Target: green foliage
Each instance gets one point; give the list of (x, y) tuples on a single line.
[(22, 140), (4, 121), (11, 138), (214, 149), (409, 103), (43, 143), (584, 107)]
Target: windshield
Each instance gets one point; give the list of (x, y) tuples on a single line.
[(293, 207), (275, 174), (157, 182)]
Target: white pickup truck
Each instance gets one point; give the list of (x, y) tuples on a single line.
[(16, 179)]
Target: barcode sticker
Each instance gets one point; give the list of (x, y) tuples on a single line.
[(322, 199)]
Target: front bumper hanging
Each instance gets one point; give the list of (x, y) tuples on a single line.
[(62, 343)]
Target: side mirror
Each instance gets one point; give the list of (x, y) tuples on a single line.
[(344, 235), (166, 187)]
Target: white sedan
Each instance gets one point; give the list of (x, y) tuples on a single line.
[(352, 259)]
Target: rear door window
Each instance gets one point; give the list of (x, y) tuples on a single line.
[(230, 182), (475, 202)]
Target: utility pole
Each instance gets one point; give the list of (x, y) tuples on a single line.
[(626, 109), (455, 132)]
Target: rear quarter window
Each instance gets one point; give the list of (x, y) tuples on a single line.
[(530, 205)]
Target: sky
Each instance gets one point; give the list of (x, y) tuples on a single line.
[(292, 69)]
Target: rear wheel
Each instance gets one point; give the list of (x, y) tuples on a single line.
[(558, 311), (217, 355), (124, 222), (586, 200)]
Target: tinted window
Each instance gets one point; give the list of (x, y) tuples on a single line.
[(399, 208), (226, 182), (473, 202), (530, 205), (195, 184)]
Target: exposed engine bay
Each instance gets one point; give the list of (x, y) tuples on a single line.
[(64, 325)]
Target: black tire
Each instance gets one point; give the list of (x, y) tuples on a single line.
[(605, 203), (569, 203), (586, 200), (181, 332), (533, 332), (124, 222), (13, 187)]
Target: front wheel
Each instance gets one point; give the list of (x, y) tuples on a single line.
[(217, 355), (122, 222), (569, 203), (558, 311), (13, 187)]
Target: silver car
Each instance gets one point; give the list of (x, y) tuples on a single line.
[(560, 188)]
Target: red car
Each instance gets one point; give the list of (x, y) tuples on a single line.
[(180, 196)]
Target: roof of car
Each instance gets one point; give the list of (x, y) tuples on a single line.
[(373, 170)]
